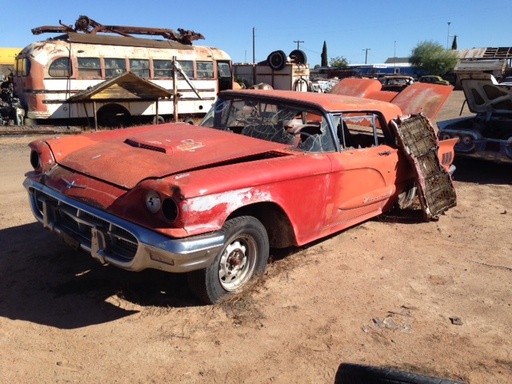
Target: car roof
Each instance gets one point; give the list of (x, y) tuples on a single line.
[(324, 101)]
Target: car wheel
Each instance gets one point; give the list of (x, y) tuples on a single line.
[(363, 374), (242, 259)]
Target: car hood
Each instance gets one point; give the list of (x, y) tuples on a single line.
[(417, 98), (125, 157), (484, 94), (427, 99)]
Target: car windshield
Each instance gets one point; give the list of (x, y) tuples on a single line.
[(297, 126)]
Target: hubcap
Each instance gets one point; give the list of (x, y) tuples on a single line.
[(234, 266)]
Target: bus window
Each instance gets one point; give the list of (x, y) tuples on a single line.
[(89, 67), (224, 74), (140, 67), (60, 67), (22, 67), (188, 68), (204, 69), (223, 69), (162, 68), (114, 67)]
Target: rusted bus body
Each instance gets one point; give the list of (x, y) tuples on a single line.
[(49, 72)]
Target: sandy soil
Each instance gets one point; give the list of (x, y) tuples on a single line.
[(433, 298)]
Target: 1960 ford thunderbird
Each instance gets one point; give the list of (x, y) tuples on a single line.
[(266, 169)]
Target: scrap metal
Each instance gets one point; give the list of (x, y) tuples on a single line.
[(87, 25)]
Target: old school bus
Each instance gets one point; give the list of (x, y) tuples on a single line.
[(48, 75)]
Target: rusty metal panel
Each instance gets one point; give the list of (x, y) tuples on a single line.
[(356, 87), (88, 26), (418, 140), (423, 98), (125, 41)]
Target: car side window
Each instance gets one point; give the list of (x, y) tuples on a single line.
[(360, 130), (299, 127)]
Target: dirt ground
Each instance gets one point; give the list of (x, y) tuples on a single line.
[(433, 298)]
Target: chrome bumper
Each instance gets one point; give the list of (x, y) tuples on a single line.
[(115, 241)]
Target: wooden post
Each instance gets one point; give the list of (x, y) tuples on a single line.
[(95, 115), (175, 95)]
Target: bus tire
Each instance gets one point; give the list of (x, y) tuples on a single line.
[(277, 60), (158, 120), (112, 116)]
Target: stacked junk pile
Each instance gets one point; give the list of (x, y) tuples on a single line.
[(11, 111)]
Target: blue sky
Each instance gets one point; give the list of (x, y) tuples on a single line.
[(352, 29)]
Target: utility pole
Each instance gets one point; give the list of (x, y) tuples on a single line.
[(394, 58), (253, 45), (448, 36), (366, 54), (298, 42)]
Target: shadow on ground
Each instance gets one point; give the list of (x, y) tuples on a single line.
[(482, 172), (44, 281)]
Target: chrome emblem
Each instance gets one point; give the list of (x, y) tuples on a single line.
[(71, 184)]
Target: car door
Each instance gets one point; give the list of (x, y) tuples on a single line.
[(364, 172)]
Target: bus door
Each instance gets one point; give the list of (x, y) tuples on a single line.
[(224, 75)]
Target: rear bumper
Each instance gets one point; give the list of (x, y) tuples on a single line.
[(115, 241)]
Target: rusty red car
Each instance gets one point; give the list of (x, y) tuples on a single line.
[(265, 170)]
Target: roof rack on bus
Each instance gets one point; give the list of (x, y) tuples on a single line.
[(87, 25)]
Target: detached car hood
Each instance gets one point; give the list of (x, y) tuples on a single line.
[(417, 98), (427, 99), (485, 95), (125, 157)]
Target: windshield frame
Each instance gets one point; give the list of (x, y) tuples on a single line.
[(299, 126)]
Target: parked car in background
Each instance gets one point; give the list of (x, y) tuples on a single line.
[(396, 83), (488, 134), (433, 79), (506, 80), (266, 169)]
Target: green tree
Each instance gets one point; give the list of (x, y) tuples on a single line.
[(324, 55), (338, 62), (430, 57), (454, 43)]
